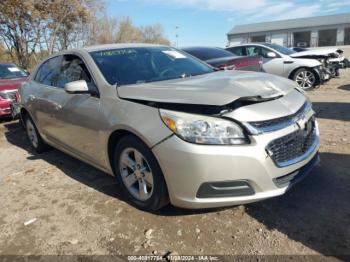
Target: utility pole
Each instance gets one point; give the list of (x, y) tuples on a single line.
[(177, 36)]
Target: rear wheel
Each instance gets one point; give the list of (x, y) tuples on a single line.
[(139, 174), (34, 137), (305, 78)]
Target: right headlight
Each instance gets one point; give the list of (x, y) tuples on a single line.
[(201, 129)]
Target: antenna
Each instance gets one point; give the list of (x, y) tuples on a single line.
[(177, 35)]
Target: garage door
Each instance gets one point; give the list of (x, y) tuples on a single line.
[(280, 39)]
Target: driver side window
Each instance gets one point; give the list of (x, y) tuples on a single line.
[(73, 69)]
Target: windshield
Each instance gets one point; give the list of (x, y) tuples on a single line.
[(138, 65), (9, 71), (207, 53), (281, 49)]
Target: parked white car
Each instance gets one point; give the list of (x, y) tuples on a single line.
[(277, 60)]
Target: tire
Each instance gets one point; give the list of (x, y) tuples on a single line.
[(139, 174), (305, 78), (34, 137)]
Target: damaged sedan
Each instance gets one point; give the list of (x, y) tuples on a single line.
[(332, 59), (169, 127)]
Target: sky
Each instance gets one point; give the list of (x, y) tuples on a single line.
[(206, 22)]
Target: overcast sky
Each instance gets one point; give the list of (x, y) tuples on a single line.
[(206, 22)]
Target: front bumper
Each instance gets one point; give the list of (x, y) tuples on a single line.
[(187, 167)]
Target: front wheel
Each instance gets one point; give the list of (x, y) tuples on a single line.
[(305, 78), (139, 174)]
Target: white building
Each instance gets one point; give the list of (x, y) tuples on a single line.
[(318, 31)]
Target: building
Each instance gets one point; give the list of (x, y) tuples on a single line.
[(330, 30)]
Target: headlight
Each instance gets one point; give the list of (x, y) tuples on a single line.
[(203, 129), (3, 96)]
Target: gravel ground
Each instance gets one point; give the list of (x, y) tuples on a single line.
[(53, 204)]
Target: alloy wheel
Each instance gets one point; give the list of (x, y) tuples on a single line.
[(305, 79), (136, 174)]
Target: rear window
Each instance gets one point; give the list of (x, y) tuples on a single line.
[(236, 50), (138, 65), (10, 71), (207, 53)]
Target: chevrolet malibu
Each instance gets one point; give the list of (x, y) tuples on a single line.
[(169, 127)]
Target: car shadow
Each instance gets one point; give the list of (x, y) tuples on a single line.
[(316, 212), (344, 87), (330, 110), (5, 119), (83, 172)]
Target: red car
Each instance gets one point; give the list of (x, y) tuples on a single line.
[(225, 60), (11, 78)]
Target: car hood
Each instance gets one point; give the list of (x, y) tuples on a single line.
[(218, 88), (317, 52), (11, 84)]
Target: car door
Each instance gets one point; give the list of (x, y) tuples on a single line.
[(75, 118), (41, 106), (270, 65)]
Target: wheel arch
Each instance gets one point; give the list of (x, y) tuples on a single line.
[(318, 78), (113, 139)]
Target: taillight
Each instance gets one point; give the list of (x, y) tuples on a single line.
[(227, 67)]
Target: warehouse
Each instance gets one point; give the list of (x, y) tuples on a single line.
[(330, 30)]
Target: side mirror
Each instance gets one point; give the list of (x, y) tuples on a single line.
[(271, 55), (77, 87)]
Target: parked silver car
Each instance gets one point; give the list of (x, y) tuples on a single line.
[(308, 73), (169, 127)]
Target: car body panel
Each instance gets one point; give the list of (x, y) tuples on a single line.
[(204, 90), (223, 60)]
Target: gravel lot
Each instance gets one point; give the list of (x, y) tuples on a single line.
[(72, 208)]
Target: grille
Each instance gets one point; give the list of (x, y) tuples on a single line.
[(288, 149), (278, 123)]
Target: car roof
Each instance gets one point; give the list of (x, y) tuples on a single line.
[(117, 46), (200, 47), (258, 43)]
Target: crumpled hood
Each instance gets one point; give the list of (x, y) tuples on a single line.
[(218, 88), (317, 52)]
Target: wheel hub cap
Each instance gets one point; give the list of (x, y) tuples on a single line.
[(136, 174)]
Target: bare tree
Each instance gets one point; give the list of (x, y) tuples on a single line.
[(106, 30), (154, 34), (20, 28)]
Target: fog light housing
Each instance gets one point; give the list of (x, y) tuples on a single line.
[(225, 189)]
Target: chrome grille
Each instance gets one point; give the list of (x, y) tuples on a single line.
[(279, 123), (293, 147)]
